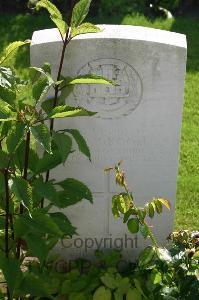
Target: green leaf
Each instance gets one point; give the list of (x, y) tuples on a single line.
[(48, 162), (46, 223), (7, 95), (24, 96), (123, 203), (146, 256), (10, 50), (150, 209), (64, 144), (7, 77), (133, 294), (4, 159), (40, 89), (102, 293), (47, 105), (65, 92), (90, 79), (15, 137), (118, 295), (60, 24), (55, 15), (115, 210), (156, 277), (41, 134), (33, 157), (51, 8), (33, 285), (133, 225), (139, 288), (120, 204), (6, 114), (75, 190), (158, 206), (23, 191), (127, 215), (85, 28), (141, 213), (5, 128), (124, 285), (45, 70), (2, 189), (109, 281), (75, 285), (165, 202), (19, 154), (82, 145), (144, 230), (80, 12), (63, 223), (44, 189), (79, 296), (64, 111), (23, 225), (11, 271), (37, 246), (39, 223)]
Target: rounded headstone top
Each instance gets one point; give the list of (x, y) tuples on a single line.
[(126, 32)]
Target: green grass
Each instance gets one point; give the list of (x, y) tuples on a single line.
[(187, 208), (187, 205)]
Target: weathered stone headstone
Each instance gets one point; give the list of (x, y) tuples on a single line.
[(138, 122)]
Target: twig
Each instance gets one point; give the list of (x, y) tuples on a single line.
[(7, 221), (66, 42), (26, 162)]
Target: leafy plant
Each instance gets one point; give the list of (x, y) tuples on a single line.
[(160, 273), (171, 274), (28, 226), (166, 275), (134, 216)]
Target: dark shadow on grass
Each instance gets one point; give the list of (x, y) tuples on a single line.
[(190, 27), (113, 19), (21, 27)]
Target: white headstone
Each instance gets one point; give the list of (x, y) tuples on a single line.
[(138, 122)]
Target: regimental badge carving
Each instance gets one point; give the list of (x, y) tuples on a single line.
[(110, 101)]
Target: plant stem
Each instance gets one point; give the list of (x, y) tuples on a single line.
[(7, 221), (7, 214), (25, 173), (66, 42), (26, 158), (151, 235), (12, 226)]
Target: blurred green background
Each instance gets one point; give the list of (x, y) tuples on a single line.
[(17, 22), (109, 7)]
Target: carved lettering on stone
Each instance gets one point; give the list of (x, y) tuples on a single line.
[(110, 101)]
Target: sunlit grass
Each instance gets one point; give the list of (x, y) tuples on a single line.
[(187, 205)]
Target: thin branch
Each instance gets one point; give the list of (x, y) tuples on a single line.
[(7, 208), (66, 42), (12, 226), (25, 173), (7, 222)]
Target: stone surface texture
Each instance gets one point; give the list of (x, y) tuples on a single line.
[(138, 121)]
